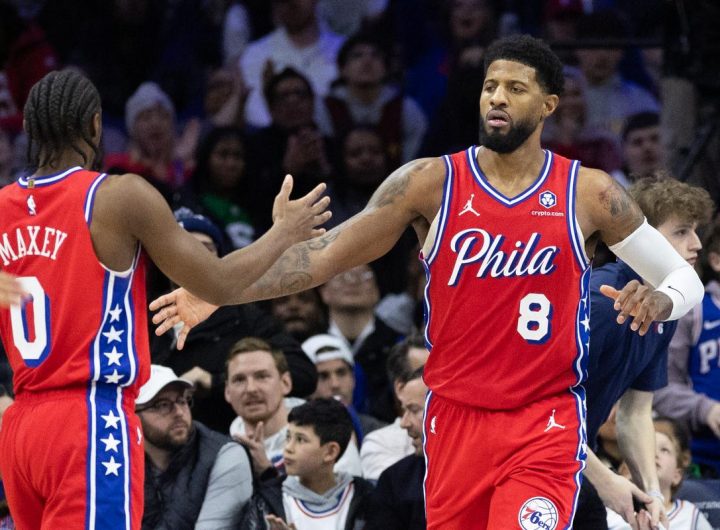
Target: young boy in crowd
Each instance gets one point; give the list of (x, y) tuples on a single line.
[(672, 457), (313, 496)]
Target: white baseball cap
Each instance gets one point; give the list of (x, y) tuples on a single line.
[(336, 349), (160, 377)]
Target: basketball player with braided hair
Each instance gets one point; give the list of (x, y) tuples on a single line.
[(71, 452)]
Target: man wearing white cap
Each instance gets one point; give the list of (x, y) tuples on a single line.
[(194, 477), (335, 366)]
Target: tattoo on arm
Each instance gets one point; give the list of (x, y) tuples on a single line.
[(290, 273), (616, 200), (396, 184)]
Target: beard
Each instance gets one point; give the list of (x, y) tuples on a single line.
[(164, 439), (506, 143)]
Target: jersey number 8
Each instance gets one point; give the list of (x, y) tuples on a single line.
[(535, 315)]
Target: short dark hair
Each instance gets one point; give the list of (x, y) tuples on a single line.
[(358, 39), (329, 419), (418, 373), (641, 120), (276, 79), (398, 366), (58, 113), (250, 344), (530, 52)]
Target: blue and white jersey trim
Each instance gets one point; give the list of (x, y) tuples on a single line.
[(47, 180), (485, 184), (576, 239), (444, 209), (108, 473), (90, 198)]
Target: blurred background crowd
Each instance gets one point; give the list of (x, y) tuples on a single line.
[(214, 101)]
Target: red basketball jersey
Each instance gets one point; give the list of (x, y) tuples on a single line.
[(84, 323), (506, 300)]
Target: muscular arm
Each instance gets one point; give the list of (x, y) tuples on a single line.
[(605, 210), (128, 209), (409, 195)]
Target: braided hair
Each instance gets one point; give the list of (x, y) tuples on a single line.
[(58, 114)]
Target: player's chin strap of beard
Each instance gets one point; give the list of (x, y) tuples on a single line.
[(649, 254)]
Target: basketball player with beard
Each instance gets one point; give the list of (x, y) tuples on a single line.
[(506, 230)]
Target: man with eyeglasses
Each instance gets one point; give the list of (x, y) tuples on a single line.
[(352, 297), (194, 476)]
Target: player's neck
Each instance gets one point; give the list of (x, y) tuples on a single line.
[(62, 162), (523, 164)]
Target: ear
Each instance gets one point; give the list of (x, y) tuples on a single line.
[(227, 393), (286, 382), (331, 452), (550, 104), (96, 127), (714, 261)]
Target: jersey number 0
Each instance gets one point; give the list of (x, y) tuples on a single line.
[(31, 323)]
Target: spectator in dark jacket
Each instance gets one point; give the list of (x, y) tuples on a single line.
[(398, 502), (193, 475)]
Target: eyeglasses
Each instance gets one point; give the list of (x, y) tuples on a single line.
[(353, 276), (166, 406)]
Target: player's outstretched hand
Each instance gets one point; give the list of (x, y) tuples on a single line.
[(643, 303), (299, 218), (179, 307), (11, 291)]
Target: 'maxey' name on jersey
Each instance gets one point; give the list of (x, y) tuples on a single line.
[(476, 245), (31, 241)]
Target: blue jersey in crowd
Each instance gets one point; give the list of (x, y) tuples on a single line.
[(704, 372), (620, 359)]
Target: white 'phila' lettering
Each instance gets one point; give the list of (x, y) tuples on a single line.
[(31, 240), (475, 245)]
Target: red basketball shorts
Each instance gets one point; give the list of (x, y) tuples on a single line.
[(500, 470), (72, 460)]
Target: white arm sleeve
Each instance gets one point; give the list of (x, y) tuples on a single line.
[(649, 254)]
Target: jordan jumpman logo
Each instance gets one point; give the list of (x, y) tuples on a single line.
[(552, 423), (469, 207)]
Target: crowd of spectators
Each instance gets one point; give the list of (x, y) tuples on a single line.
[(214, 101)]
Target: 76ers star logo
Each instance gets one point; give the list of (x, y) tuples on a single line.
[(547, 199), (538, 513)]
